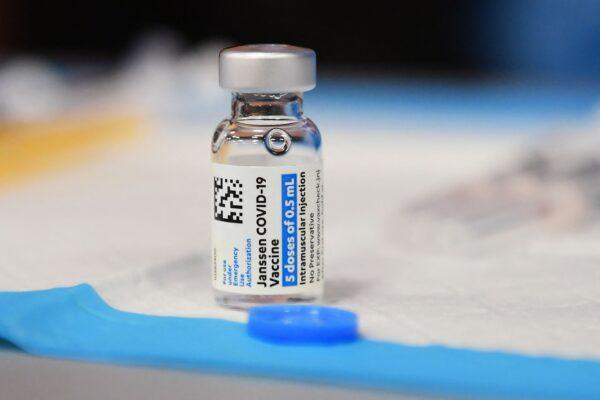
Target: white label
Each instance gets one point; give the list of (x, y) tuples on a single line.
[(267, 228)]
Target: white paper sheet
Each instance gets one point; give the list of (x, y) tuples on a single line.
[(133, 223)]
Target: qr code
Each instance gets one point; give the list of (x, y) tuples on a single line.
[(228, 200)]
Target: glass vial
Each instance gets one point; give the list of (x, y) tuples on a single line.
[(267, 222)]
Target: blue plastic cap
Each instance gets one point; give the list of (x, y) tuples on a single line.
[(302, 324)]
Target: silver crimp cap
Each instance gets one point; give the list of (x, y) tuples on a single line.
[(267, 68)]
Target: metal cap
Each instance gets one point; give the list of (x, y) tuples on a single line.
[(267, 68)]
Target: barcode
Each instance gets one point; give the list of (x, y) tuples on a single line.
[(228, 200)]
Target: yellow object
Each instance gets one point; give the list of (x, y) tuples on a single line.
[(30, 148)]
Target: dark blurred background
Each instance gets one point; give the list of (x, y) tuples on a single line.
[(537, 39)]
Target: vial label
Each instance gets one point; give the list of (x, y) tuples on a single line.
[(267, 228)]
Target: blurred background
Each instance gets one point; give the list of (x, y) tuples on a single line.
[(540, 39), (409, 52)]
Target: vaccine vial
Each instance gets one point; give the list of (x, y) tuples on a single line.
[(267, 223)]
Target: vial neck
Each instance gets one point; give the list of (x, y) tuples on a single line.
[(267, 106)]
